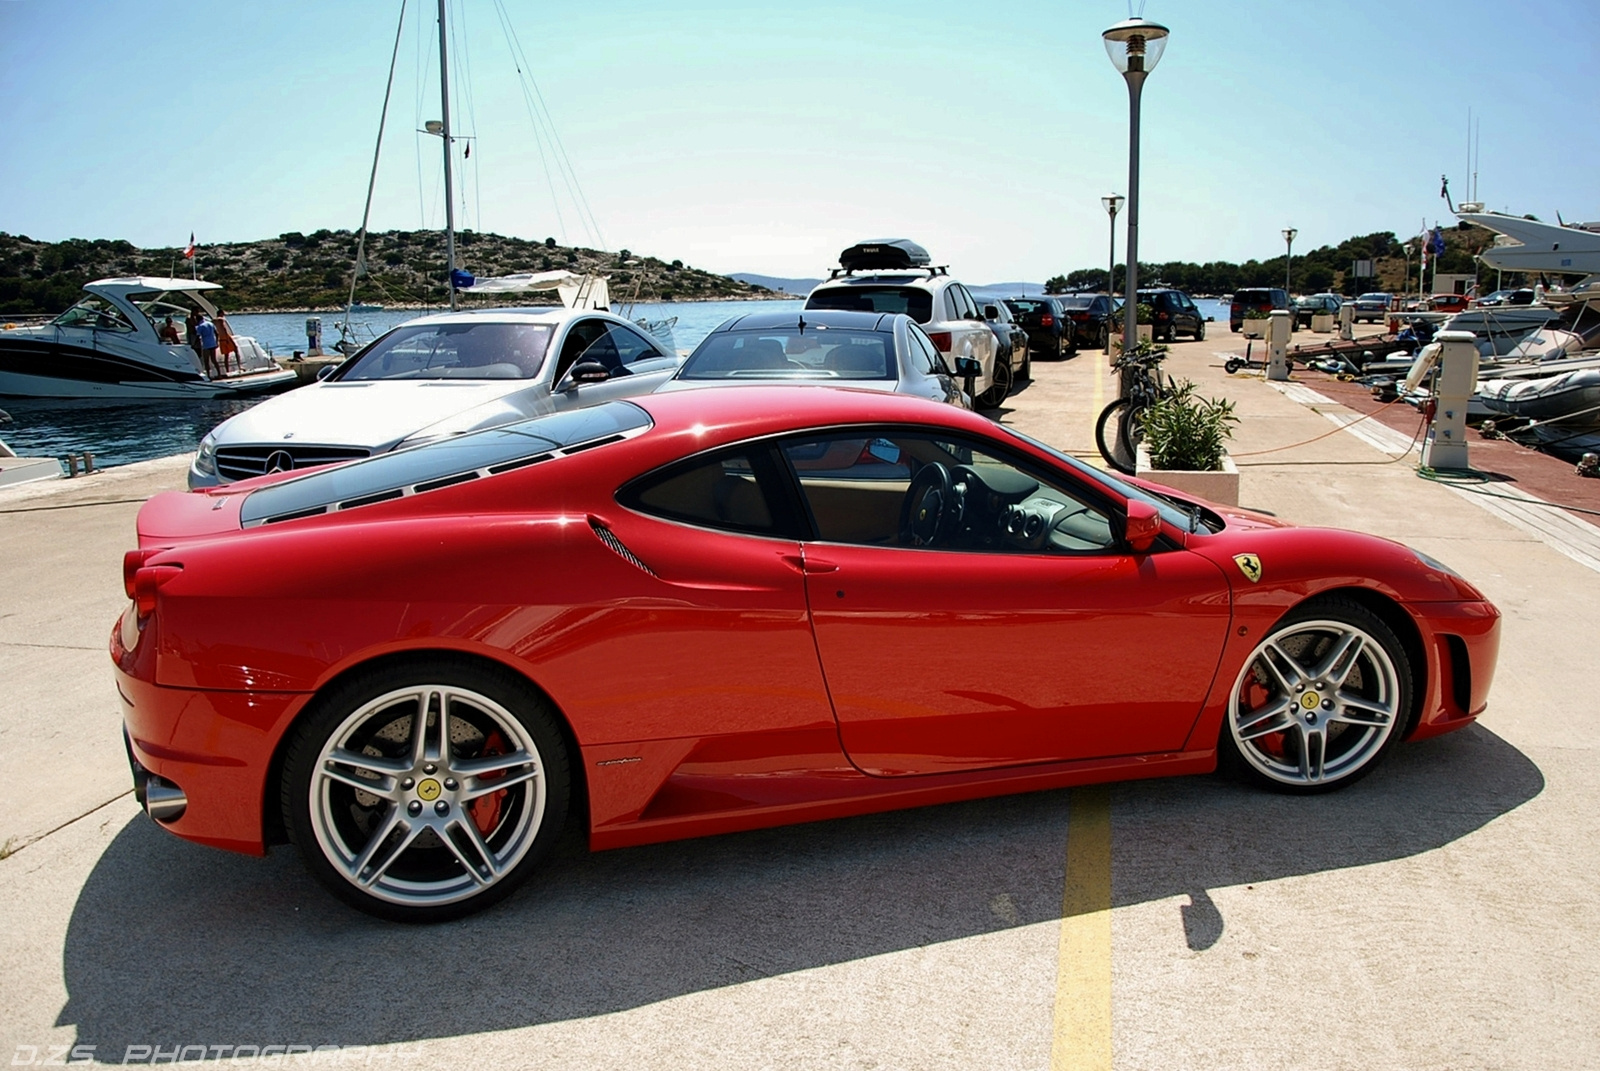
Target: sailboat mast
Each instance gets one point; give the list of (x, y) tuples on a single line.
[(449, 192)]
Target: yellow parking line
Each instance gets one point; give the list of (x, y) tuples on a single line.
[(1082, 1037)]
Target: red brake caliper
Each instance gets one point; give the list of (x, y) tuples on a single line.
[(486, 809)]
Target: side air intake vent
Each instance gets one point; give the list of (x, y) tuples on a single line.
[(609, 538)]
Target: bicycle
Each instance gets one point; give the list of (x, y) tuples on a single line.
[(1146, 385)]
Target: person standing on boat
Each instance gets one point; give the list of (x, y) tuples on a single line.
[(189, 336), (226, 346), (206, 332)]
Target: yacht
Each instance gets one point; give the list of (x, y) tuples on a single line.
[(107, 346)]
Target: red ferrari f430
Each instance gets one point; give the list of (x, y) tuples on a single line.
[(717, 610)]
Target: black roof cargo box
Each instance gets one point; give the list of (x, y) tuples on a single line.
[(892, 253)]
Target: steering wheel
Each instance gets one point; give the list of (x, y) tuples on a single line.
[(929, 507)]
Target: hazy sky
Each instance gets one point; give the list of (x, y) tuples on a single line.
[(747, 136)]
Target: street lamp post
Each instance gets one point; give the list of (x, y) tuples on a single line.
[(1113, 204), (1135, 46), (1406, 249), (1288, 266)]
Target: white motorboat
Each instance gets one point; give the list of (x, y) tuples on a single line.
[(1528, 245), (107, 346)]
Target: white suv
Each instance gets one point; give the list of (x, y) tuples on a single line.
[(944, 308)]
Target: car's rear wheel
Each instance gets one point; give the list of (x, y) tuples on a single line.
[(1320, 701), (425, 791), (991, 398)]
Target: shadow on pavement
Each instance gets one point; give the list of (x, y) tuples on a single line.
[(170, 942)]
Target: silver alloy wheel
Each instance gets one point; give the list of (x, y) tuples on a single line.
[(1315, 703), (427, 795)]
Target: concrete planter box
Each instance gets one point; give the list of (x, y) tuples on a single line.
[(1147, 333), (1322, 322), (1221, 487), (1256, 328)]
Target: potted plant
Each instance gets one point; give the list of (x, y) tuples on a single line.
[(1185, 444), (1144, 318)]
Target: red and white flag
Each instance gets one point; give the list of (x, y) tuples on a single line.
[(188, 250)]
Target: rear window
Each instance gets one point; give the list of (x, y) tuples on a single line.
[(1373, 297), (1246, 297), (1076, 302), (791, 353), (1029, 308), (913, 302), (440, 464)]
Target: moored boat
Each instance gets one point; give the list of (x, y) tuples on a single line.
[(108, 346)]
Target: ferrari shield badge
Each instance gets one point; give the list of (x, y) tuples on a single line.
[(1249, 565)]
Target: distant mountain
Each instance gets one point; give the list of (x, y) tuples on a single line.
[(797, 287), (1005, 289)]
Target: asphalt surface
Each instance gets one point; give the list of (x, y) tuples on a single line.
[(1437, 915)]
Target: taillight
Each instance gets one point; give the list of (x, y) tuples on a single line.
[(1080, 316), (133, 561), (942, 340), (1163, 315), (1047, 320), (145, 583)]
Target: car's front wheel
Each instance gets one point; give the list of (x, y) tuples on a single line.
[(425, 791), (991, 398), (1320, 701)]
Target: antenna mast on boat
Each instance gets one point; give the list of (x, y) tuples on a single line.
[(449, 193)]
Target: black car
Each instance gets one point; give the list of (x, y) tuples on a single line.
[(1173, 313), (1010, 335), (1311, 304), (1262, 299), (1050, 329), (1091, 316)]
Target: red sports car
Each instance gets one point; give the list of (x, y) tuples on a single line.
[(716, 610)]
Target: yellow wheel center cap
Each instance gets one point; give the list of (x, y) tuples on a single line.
[(1309, 701), (429, 789)]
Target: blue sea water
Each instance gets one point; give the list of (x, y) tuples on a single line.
[(119, 433)]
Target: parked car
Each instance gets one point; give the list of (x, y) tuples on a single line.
[(1051, 332), (707, 611), (1091, 316), (896, 277), (1310, 305), (1373, 307), (1173, 313), (1448, 302), (872, 350), (1262, 299), (1011, 336), (434, 377)]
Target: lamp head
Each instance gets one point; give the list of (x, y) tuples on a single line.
[(1113, 203), (1135, 45), (1289, 233)]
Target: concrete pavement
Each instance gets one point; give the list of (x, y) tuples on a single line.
[(1434, 916)]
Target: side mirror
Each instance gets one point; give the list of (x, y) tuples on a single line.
[(1144, 524), (588, 372), (968, 367), (1211, 319), (325, 371)]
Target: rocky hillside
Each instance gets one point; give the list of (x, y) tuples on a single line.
[(312, 271)]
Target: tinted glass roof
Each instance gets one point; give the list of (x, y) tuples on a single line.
[(411, 471)]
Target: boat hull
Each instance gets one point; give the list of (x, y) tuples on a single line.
[(18, 385), (36, 367)]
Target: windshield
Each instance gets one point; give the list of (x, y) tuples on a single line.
[(453, 351), (95, 312), (914, 302), (1169, 513), (790, 353), (1373, 297)]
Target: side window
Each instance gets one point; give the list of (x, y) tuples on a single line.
[(932, 360), (630, 346), (580, 337), (718, 492), (915, 490), (969, 307)]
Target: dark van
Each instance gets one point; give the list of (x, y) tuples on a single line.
[(1265, 299)]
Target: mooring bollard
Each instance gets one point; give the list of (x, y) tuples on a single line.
[(72, 465), (1446, 444), (88, 462), (1347, 320)]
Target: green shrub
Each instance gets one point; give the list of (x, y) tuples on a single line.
[(1184, 431)]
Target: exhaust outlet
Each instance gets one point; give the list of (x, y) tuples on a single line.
[(163, 800)]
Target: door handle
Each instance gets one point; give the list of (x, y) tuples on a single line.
[(817, 565)]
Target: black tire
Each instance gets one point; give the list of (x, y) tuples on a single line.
[(1060, 350), (1232, 365), (1200, 332), (999, 389), (1112, 431), (1027, 363), (1301, 720), (487, 712)]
